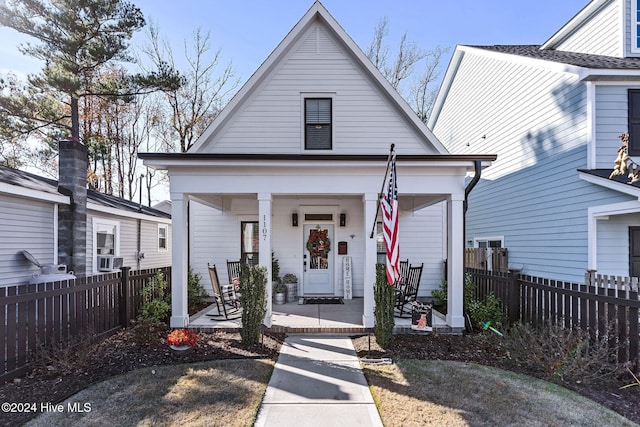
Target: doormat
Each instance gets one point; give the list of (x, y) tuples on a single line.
[(323, 300)]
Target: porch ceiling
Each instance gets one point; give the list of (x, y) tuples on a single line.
[(406, 202)]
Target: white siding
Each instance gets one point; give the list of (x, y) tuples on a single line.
[(600, 35), (154, 257), (129, 242), (215, 237), (613, 244), (521, 113), (535, 121), (611, 116), (26, 225), (271, 121)]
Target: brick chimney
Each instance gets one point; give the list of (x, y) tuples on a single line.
[(72, 219)]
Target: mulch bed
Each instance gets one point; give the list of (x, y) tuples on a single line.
[(64, 372)]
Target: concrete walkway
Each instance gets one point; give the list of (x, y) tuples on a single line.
[(318, 381)]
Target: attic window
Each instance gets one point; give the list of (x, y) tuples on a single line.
[(317, 123)]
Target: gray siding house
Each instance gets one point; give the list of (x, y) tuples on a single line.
[(32, 211), (553, 113)]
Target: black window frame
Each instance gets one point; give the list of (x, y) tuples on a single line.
[(633, 107), (254, 258), (311, 125)]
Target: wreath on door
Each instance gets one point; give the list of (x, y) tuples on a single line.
[(319, 244)]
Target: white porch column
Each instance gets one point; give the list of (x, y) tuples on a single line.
[(264, 219), (370, 202), (455, 264), (179, 261)]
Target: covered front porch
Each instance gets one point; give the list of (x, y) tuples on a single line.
[(288, 196), (292, 317)]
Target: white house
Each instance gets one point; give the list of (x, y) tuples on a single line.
[(553, 114), (30, 207), (303, 147)]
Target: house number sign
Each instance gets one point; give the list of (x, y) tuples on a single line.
[(265, 230)]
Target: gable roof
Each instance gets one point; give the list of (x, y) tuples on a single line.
[(583, 60), (619, 183), (586, 66), (316, 13), (42, 185), (574, 23)]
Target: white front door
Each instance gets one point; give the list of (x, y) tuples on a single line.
[(318, 259)]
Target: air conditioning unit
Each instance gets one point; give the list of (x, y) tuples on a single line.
[(109, 263)]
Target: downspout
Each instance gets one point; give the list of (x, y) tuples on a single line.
[(477, 164)]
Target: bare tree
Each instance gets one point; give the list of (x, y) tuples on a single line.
[(407, 58), (423, 92), (206, 86)]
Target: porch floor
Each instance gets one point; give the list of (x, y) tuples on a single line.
[(311, 318)]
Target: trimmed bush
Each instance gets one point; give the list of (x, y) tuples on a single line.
[(254, 302), (384, 297)]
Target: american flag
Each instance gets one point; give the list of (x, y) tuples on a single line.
[(390, 225)]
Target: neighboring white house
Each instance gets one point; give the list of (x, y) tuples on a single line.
[(115, 228), (300, 151), (553, 114)]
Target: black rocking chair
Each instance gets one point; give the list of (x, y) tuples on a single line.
[(409, 290), (224, 295)]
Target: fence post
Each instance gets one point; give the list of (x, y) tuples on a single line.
[(124, 300), (513, 307)]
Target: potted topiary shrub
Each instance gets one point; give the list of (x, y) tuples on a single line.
[(279, 293), (291, 282)]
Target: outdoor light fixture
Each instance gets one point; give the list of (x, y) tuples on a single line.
[(343, 219), (294, 219)]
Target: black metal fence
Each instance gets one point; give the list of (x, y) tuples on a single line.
[(605, 306), (55, 313)]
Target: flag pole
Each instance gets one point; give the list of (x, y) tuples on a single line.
[(373, 229)]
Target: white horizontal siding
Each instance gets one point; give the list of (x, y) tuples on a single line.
[(363, 120), (154, 257), (613, 244), (522, 113), (129, 242), (215, 237), (600, 35), (535, 121), (611, 117), (26, 225)]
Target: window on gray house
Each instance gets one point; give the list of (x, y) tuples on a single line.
[(634, 122), (317, 123)]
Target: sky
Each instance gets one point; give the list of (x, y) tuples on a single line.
[(247, 31)]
